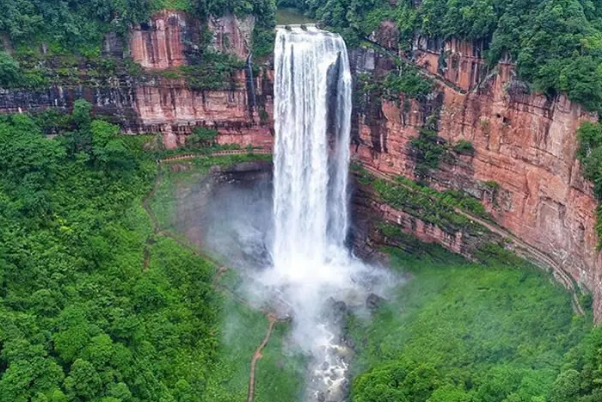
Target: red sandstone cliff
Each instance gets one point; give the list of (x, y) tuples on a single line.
[(171, 108), (164, 41), (151, 103), (158, 44), (232, 34), (525, 143)]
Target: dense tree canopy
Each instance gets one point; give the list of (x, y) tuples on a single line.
[(82, 318), (557, 44), (79, 24)]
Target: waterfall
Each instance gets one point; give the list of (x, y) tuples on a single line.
[(314, 278), (311, 267), (311, 156)]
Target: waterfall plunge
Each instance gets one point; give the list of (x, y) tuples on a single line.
[(313, 272), (310, 175), (314, 277)]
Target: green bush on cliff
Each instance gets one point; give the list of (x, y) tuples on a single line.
[(428, 149), (201, 137), (589, 153), (408, 82), (464, 147)]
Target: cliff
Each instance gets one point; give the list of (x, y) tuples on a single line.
[(522, 165), (159, 98)]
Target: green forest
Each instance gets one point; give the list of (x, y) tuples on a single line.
[(80, 320), (97, 305), (465, 332), (557, 44)]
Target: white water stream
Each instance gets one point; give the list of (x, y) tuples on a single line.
[(315, 274), (310, 178)]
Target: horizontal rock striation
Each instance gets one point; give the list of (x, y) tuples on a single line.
[(522, 166), (148, 102)]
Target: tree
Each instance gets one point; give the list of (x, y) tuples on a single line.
[(202, 137), (108, 150), (10, 72), (450, 393), (83, 381), (566, 387)]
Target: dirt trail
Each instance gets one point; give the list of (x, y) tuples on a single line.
[(528, 251), (272, 320)]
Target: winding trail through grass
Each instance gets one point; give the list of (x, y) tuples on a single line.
[(157, 231), (272, 321)]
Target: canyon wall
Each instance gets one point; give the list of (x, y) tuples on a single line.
[(157, 99), (522, 167), (160, 43)]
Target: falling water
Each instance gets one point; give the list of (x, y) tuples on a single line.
[(314, 275), (313, 117)]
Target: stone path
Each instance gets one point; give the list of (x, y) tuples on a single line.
[(215, 154)]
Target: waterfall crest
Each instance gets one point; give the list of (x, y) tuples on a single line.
[(311, 158)]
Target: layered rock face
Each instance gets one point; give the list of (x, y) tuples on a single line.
[(232, 34), (173, 109), (523, 167), (159, 44), (152, 103)]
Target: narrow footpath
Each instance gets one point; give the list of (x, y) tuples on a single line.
[(272, 321), (157, 231)]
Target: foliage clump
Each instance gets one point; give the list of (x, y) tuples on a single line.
[(83, 316), (428, 149), (464, 147), (202, 137), (408, 82)]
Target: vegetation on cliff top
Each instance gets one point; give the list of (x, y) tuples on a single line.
[(557, 44), (72, 33), (77, 24)]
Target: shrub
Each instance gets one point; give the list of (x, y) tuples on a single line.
[(428, 150), (202, 137), (10, 72), (464, 147)]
